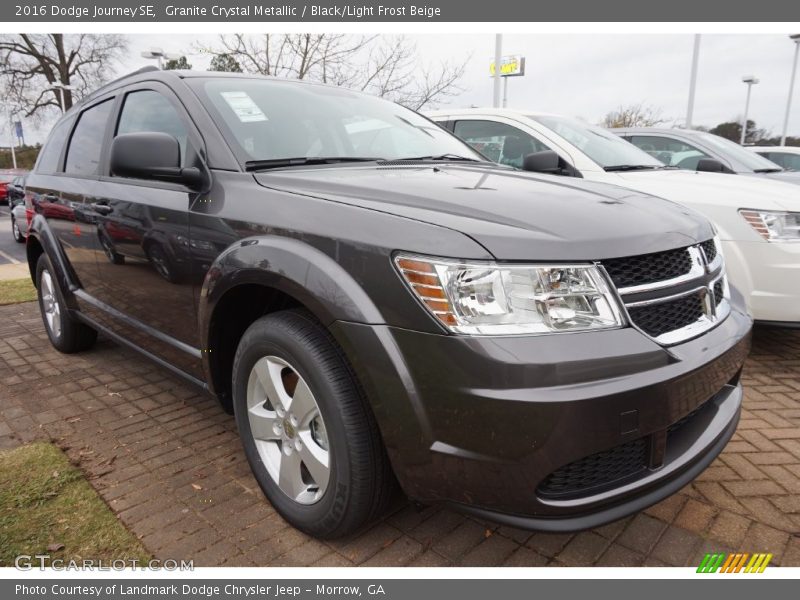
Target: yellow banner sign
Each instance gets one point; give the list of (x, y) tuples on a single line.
[(511, 66)]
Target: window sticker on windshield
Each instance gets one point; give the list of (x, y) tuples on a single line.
[(244, 107)]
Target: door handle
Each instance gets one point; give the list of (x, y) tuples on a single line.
[(101, 209)]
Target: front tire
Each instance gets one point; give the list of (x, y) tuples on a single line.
[(66, 333), (306, 427)]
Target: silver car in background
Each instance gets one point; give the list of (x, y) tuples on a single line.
[(702, 151)]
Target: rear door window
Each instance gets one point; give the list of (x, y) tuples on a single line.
[(86, 145)]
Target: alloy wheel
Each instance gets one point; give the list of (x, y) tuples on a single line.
[(50, 305), (288, 430)]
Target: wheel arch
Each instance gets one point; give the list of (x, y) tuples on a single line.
[(257, 276), (42, 240)]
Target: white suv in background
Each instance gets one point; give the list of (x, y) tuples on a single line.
[(758, 220)]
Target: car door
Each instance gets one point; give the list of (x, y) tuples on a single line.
[(62, 183), (143, 228)]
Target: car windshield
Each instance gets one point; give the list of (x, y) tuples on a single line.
[(274, 120), (603, 147), (734, 152)]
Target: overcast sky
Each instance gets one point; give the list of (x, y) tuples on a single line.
[(588, 75)]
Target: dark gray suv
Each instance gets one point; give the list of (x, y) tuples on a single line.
[(377, 304)]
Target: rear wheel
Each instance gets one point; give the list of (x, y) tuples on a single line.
[(161, 262), (307, 430), (66, 333), (16, 231), (111, 254)]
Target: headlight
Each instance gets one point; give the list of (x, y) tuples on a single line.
[(492, 299), (774, 226)]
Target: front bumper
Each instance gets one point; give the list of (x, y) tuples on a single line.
[(482, 422), (768, 275)]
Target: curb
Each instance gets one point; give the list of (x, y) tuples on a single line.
[(17, 271)]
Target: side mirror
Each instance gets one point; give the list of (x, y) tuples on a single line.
[(151, 155), (545, 161), (710, 165)]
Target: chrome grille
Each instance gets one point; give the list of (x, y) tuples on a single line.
[(661, 318), (675, 295), (719, 292), (710, 250), (648, 268)]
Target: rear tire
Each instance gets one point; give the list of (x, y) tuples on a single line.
[(66, 333), (18, 237), (307, 429), (108, 250)]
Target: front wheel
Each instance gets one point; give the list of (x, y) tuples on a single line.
[(306, 427)]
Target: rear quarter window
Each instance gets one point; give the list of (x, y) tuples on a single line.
[(49, 157)]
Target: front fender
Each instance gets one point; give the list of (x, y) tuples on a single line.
[(293, 267)]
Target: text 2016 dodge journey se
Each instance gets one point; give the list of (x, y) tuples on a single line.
[(376, 303)]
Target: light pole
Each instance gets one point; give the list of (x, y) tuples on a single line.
[(159, 55), (693, 81), (796, 39), (498, 60), (13, 140), (750, 80), (61, 87)]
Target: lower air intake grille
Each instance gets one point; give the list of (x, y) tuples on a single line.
[(657, 319), (599, 470)]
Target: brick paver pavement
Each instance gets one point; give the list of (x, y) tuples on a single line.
[(168, 461)]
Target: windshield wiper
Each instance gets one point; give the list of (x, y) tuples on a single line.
[(444, 157), (631, 168), (768, 170), (276, 163)]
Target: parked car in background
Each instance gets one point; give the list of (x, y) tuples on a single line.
[(787, 157), (376, 302), (701, 151), (15, 189), (5, 179), (757, 218), (20, 217)]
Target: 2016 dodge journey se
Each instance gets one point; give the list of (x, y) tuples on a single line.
[(377, 304)]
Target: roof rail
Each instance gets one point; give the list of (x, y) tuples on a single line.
[(147, 69)]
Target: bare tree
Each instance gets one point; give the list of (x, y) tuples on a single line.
[(387, 66), (634, 115), (32, 64)]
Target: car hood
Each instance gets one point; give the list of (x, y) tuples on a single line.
[(690, 188), (514, 215)]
